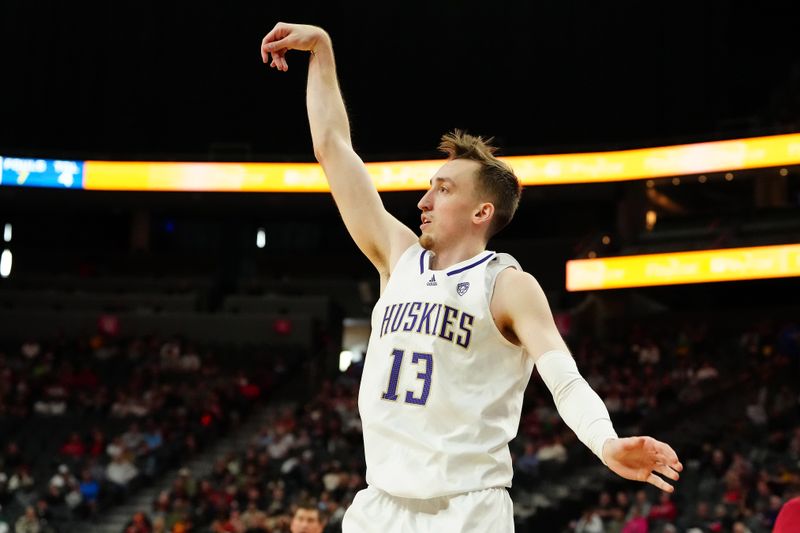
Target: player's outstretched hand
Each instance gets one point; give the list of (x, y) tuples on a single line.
[(285, 37), (639, 458)]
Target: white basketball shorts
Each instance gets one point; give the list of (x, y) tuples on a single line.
[(482, 511)]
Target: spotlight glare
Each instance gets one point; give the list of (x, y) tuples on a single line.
[(345, 358), (261, 238), (5, 263), (7, 232), (650, 220)]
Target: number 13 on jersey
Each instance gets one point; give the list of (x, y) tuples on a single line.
[(418, 359)]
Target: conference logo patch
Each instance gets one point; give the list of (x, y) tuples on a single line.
[(462, 288)]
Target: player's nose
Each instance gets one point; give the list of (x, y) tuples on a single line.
[(425, 203)]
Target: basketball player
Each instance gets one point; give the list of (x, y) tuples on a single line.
[(455, 334)]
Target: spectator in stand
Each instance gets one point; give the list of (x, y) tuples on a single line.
[(133, 439), (618, 511), (97, 442), (12, 457), (115, 448), (28, 522), (179, 517), (74, 446), (528, 463), (190, 361), (62, 478), (706, 371), (159, 525), (44, 513), (637, 523), (769, 517), (21, 480), (649, 353), (664, 512), (641, 501), (90, 492), (307, 519), (553, 451), (253, 519), (590, 522), (139, 524), (120, 472)]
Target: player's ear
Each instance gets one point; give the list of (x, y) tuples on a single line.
[(483, 213)]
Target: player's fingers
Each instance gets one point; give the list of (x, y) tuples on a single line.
[(666, 471), (266, 51), (280, 60), (668, 456), (276, 32), (283, 44), (660, 483)]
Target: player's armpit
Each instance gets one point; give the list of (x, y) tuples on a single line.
[(378, 234), (519, 304)]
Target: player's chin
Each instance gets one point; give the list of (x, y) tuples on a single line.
[(426, 241)]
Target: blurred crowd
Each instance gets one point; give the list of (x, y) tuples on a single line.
[(141, 408), (314, 452), (738, 481), (85, 422), (311, 453)]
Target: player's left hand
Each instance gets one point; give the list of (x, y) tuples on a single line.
[(640, 458)]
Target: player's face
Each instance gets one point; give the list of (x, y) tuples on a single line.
[(306, 521), (449, 204)]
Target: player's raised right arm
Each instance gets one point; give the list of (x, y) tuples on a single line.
[(379, 235)]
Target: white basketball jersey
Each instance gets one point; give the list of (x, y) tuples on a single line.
[(441, 392)]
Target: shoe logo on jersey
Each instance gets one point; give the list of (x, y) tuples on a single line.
[(432, 281), (462, 288)]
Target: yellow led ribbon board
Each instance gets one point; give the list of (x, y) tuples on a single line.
[(684, 267), (594, 167)]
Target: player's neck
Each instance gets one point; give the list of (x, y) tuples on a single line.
[(445, 258)]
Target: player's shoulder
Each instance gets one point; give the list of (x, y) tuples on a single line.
[(516, 292), (514, 283)]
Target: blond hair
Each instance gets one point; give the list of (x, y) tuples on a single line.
[(495, 179)]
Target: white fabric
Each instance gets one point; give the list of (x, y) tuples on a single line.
[(580, 406), (482, 511), (456, 440)]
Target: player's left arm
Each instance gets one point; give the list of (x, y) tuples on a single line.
[(521, 311)]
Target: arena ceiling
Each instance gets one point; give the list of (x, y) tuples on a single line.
[(185, 80)]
